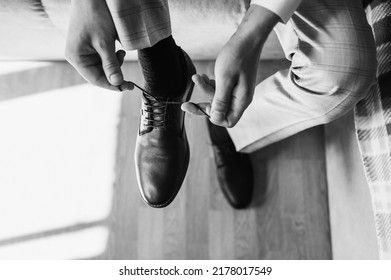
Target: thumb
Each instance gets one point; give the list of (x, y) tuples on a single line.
[(111, 65), (222, 100)]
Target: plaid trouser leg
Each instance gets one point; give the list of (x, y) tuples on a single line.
[(140, 23)]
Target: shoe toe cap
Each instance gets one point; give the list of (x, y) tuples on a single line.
[(236, 183), (158, 190), (160, 175)]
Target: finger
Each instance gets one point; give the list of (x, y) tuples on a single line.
[(210, 82), (203, 83), (126, 86), (120, 54), (221, 102), (199, 81), (199, 109), (110, 64), (94, 74), (241, 99)]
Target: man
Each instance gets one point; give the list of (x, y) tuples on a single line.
[(333, 66)]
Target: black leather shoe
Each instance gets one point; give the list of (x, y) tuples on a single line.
[(234, 169), (162, 150)]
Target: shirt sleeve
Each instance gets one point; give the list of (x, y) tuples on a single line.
[(282, 8)]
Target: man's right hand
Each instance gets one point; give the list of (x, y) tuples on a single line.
[(90, 46), (236, 66), (235, 70)]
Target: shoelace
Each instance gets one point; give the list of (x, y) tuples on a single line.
[(159, 119), (156, 109)]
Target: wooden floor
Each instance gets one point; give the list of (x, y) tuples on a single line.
[(288, 218)]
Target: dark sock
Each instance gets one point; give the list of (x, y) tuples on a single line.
[(164, 69), (219, 135)]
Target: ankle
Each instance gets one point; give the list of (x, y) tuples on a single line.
[(164, 68)]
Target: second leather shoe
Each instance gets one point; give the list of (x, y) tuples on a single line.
[(162, 150), (234, 169)]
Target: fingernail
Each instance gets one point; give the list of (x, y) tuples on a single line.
[(217, 116), (129, 86), (116, 78), (126, 86)]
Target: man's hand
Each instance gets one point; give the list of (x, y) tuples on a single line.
[(237, 64), (90, 45), (236, 69)]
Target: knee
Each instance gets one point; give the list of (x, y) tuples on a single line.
[(353, 77), (340, 63), (335, 89)]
